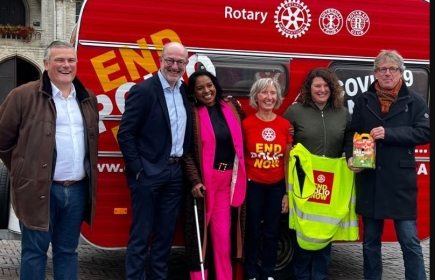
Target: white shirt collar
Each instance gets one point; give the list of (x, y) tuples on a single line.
[(165, 83), (55, 91)]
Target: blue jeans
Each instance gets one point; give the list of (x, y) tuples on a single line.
[(67, 208), (263, 203), (311, 265), (410, 244)]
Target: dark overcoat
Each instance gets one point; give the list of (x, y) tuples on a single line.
[(390, 190)]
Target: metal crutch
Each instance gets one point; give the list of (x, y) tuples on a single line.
[(201, 263)]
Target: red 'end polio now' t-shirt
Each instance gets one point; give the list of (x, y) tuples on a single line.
[(265, 146)]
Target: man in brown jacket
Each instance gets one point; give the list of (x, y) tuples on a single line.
[(48, 142)]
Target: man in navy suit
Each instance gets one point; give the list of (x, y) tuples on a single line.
[(154, 134)]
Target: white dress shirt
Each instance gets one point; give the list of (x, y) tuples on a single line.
[(70, 139)]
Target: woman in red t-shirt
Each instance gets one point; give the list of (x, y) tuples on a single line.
[(267, 145)]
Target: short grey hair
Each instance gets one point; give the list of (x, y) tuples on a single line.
[(56, 44), (389, 56), (260, 85)]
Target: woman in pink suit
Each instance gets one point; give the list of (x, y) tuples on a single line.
[(217, 179)]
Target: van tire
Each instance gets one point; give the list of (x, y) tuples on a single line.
[(4, 196), (286, 246), (286, 249)]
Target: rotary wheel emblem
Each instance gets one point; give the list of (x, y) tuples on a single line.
[(292, 18), (268, 134), (321, 178)]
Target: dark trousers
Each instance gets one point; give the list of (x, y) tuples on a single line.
[(311, 265), (155, 202), (263, 213)]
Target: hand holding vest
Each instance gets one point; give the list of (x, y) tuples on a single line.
[(322, 206)]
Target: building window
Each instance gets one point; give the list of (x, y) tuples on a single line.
[(78, 9), (12, 12)]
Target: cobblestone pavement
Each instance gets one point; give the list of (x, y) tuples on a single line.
[(98, 264)]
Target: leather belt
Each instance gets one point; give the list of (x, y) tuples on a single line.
[(174, 160), (222, 166), (66, 183)]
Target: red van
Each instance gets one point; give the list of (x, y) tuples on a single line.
[(119, 44)]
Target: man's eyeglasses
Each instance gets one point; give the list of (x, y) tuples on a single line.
[(170, 62), (392, 70)]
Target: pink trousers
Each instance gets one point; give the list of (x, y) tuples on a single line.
[(218, 217)]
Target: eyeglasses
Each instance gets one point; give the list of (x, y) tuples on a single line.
[(170, 62), (392, 70)]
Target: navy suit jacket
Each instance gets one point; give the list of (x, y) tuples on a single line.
[(144, 135)]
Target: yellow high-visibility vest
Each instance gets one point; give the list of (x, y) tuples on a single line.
[(324, 210)]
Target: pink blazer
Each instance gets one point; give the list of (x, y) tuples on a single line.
[(238, 181)]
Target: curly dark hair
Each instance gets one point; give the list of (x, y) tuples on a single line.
[(191, 86), (336, 97)]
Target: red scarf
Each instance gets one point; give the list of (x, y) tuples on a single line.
[(387, 97)]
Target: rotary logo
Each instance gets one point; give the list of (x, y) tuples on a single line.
[(292, 18), (357, 23), (268, 134), (321, 178), (330, 21)]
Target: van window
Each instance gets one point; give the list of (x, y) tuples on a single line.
[(236, 75), (356, 78)]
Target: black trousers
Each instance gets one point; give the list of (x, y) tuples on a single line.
[(155, 202)]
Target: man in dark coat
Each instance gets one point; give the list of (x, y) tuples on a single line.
[(398, 119), (154, 134)]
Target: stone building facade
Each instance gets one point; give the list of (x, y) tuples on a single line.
[(21, 61)]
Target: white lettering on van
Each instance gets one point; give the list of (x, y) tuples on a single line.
[(352, 86), (245, 14), (355, 85), (422, 169), (408, 77), (350, 105), (110, 167)]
